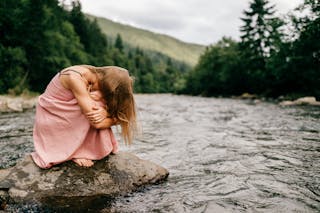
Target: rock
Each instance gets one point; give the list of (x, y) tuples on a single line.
[(301, 101), (66, 184), (306, 100), (3, 105), (247, 96), (16, 103), (29, 103), (286, 103), (257, 101)]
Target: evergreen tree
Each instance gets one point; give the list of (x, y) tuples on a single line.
[(260, 29), (13, 61), (39, 38), (13, 77), (260, 36), (93, 40), (217, 71), (33, 30), (303, 58), (119, 43)]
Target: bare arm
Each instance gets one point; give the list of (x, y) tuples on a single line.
[(86, 103)]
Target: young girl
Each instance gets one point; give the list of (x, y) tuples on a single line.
[(75, 113)]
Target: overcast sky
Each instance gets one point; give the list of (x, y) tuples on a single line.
[(196, 21)]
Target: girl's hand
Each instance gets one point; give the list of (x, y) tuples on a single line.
[(98, 114)]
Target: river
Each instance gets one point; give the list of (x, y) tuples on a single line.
[(223, 155)]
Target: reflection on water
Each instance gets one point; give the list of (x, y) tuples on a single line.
[(224, 155)]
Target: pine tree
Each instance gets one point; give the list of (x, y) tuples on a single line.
[(260, 36), (304, 55), (119, 43), (260, 29)]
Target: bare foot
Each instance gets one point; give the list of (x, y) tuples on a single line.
[(83, 162)]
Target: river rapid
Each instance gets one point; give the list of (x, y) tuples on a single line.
[(223, 155)]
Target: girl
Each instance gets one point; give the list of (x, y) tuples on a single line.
[(75, 113)]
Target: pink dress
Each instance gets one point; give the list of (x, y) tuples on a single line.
[(61, 132)]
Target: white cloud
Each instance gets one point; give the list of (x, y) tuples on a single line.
[(197, 21)]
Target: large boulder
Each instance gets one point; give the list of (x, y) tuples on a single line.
[(69, 185)]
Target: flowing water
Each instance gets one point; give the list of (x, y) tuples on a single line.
[(223, 155)]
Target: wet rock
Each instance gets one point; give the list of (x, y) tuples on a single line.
[(66, 184), (301, 101)]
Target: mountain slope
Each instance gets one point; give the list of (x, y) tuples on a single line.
[(181, 51)]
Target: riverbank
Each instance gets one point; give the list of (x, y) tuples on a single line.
[(282, 101), (9, 103), (21, 103)]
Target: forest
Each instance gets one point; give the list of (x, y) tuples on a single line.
[(275, 56), (38, 38)]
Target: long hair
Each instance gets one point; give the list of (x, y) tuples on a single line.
[(116, 86)]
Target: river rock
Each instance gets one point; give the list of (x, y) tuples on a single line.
[(66, 184), (301, 101), (16, 103), (248, 96)]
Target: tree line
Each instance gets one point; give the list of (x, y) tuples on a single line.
[(40, 37), (275, 56)]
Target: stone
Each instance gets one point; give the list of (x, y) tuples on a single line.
[(3, 105), (248, 96), (16, 103), (306, 100), (301, 101), (66, 184), (29, 103), (286, 103)]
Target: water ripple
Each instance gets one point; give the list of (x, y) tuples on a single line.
[(223, 155)]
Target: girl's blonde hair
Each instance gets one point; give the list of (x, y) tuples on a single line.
[(116, 86)]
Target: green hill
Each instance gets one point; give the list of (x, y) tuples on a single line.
[(179, 50)]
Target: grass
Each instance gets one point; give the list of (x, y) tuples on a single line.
[(144, 39)]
